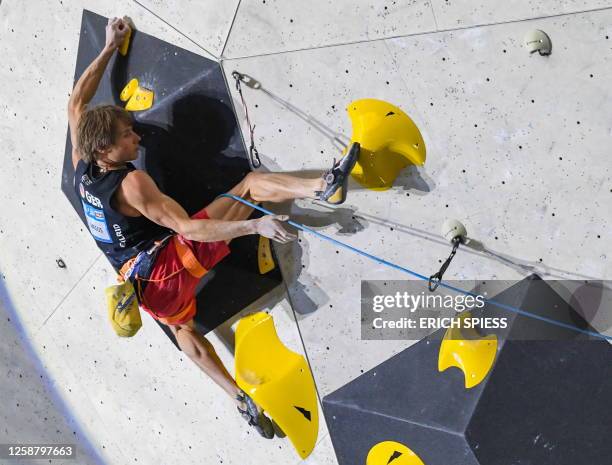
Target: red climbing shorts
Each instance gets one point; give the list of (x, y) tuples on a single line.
[(170, 294)]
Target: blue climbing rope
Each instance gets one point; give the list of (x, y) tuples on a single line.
[(418, 275)]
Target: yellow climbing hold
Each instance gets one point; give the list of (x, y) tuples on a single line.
[(123, 48), (390, 141), (265, 261), (141, 99), (129, 90), (278, 380), (138, 98), (392, 453), (467, 350)]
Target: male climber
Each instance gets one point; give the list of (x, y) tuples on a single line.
[(128, 215)]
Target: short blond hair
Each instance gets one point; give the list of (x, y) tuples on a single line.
[(97, 129)]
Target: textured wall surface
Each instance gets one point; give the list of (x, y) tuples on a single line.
[(517, 149)]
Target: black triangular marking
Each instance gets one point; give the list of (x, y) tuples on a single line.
[(390, 113), (303, 411), (395, 455)]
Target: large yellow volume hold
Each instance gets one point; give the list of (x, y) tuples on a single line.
[(390, 141), (278, 380), (129, 90), (141, 99)]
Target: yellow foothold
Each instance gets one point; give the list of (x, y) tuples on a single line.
[(141, 99), (129, 90), (392, 453), (467, 350), (278, 380), (390, 141), (265, 261), (123, 48)]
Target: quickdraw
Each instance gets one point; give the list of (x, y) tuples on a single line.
[(434, 279), (252, 83)]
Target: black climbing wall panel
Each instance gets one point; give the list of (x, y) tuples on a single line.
[(547, 399)]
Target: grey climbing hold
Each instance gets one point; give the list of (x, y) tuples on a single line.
[(538, 41), (452, 229)]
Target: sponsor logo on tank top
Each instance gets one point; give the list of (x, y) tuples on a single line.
[(119, 235), (96, 222), (92, 199)]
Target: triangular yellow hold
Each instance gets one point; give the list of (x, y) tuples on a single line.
[(142, 99), (265, 260), (389, 139), (129, 90), (392, 453)]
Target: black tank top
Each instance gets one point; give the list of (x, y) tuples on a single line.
[(120, 237)]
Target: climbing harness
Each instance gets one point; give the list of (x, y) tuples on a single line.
[(418, 275), (123, 298)]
